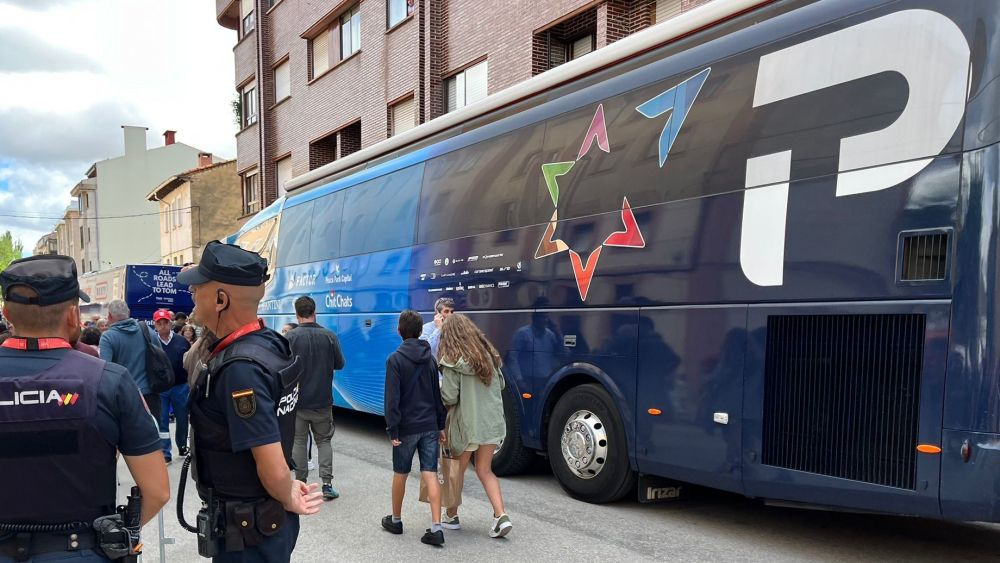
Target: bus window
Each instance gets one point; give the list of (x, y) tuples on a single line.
[(490, 186), (380, 214), (262, 240), (327, 217), (293, 244)]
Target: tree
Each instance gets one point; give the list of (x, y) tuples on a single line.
[(10, 249)]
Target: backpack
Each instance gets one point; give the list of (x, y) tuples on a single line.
[(159, 372)]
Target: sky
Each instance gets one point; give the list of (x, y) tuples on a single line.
[(72, 72)]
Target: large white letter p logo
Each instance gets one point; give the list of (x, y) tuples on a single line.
[(926, 48)]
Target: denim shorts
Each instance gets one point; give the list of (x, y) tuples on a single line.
[(424, 444)]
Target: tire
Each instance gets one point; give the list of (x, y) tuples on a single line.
[(588, 410), (512, 458)]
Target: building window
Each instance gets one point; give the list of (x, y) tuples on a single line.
[(284, 169), (666, 9), (319, 52), (282, 81), (335, 145), (88, 234), (403, 116), (249, 97), (251, 193), (247, 16), (580, 47), (398, 10), (82, 241), (466, 87), (350, 32)]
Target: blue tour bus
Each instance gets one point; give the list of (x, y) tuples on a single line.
[(624, 229)]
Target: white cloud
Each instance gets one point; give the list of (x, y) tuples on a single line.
[(153, 63), (21, 51)]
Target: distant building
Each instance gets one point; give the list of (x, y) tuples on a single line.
[(322, 79), (85, 193), (70, 236), (48, 244), (116, 219), (197, 206)]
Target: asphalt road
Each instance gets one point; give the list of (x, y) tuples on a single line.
[(549, 525)]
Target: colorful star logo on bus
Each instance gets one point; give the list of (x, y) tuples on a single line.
[(674, 102), (629, 237)]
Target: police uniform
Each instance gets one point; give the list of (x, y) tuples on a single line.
[(243, 398), (63, 416)]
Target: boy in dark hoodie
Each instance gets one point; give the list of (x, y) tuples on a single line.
[(414, 416)]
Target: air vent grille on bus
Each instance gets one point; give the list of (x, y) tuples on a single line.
[(925, 257), (841, 395)]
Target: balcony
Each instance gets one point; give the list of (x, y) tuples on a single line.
[(227, 13), (245, 57)]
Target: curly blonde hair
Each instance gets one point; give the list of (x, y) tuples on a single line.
[(462, 339)]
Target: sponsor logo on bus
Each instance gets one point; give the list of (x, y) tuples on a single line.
[(336, 300), (299, 281)]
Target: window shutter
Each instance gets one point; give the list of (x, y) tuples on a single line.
[(282, 81), (557, 53), (475, 83), (284, 174), (451, 93), (582, 46), (321, 53), (404, 116), (246, 8), (666, 9)]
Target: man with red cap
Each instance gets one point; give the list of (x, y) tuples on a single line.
[(176, 398)]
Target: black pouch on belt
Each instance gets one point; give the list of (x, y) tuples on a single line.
[(241, 526), (270, 516)]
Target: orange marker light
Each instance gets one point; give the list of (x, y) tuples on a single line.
[(526, 395), (655, 412), (928, 449)]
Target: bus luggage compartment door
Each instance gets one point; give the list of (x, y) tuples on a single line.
[(837, 400), (690, 385)]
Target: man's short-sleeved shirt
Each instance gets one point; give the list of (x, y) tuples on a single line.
[(122, 416), (232, 386)]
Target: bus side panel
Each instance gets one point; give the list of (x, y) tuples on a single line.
[(857, 409), (691, 369)]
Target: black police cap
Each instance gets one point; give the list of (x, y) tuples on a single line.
[(52, 277), (228, 264)]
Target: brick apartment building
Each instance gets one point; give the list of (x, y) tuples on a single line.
[(320, 79)]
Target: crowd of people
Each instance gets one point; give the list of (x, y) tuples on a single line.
[(254, 427)]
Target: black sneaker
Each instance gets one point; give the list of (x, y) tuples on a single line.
[(393, 527), (433, 538)]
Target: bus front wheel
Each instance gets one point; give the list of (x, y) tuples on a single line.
[(587, 447)]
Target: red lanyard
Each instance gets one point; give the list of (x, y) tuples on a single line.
[(17, 343), (239, 333)]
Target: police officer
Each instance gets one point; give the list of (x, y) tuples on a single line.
[(243, 413), (64, 416)]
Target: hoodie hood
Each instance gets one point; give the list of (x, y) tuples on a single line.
[(416, 350), (461, 366), (128, 326)]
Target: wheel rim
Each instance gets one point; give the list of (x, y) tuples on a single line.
[(584, 444)]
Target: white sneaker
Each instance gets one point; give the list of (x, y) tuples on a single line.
[(312, 465), (450, 522), (501, 526)]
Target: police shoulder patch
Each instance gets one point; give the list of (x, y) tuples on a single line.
[(245, 403)]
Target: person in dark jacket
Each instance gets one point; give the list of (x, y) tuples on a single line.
[(124, 345), (319, 351), (414, 417), (176, 397)]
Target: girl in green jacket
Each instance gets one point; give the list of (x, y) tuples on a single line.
[(472, 389)]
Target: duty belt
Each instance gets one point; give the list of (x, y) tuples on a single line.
[(22, 546)]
